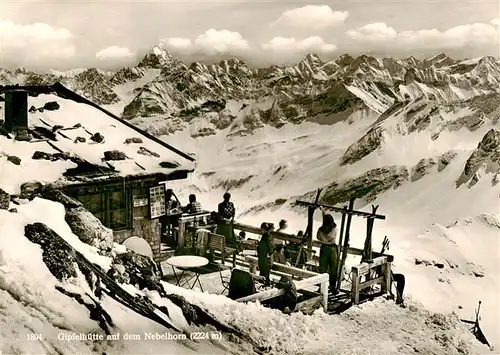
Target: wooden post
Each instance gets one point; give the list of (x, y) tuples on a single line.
[(367, 250), (309, 231), (343, 255), (355, 286), (386, 284), (324, 293), (180, 236), (341, 236), (310, 224)]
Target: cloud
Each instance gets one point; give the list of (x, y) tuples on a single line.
[(293, 46), (179, 43), (315, 17), (212, 42), (35, 42), (469, 35), (114, 53)]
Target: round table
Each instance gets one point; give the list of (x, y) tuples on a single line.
[(187, 263)]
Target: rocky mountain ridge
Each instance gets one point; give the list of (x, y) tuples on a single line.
[(163, 95), (310, 88)]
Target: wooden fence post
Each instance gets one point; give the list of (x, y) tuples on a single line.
[(343, 250), (355, 286), (324, 292), (180, 236), (340, 241), (386, 270)]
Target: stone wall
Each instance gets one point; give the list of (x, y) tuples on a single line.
[(146, 228), (142, 225)]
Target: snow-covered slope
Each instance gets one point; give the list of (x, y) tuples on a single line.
[(413, 174), (38, 319), (418, 138)]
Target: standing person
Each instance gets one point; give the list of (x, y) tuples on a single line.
[(279, 255), (170, 219), (329, 252), (265, 251), (226, 213), (282, 226)]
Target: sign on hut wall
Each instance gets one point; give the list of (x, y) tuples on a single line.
[(140, 202), (157, 201)]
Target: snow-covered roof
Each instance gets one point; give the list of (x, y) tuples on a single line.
[(73, 125)]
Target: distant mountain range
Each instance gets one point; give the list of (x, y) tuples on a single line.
[(164, 95)]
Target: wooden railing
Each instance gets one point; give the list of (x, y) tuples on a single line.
[(294, 239), (365, 269), (309, 279)]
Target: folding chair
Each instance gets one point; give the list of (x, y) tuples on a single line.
[(217, 242)]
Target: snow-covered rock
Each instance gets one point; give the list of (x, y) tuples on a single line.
[(486, 157)]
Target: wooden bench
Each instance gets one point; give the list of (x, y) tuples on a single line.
[(217, 243), (364, 270), (307, 279)]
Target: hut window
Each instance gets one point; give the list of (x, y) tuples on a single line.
[(111, 208), (117, 210)]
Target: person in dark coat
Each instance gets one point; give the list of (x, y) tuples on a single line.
[(225, 214), (170, 219), (265, 250)]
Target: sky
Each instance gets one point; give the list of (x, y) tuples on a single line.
[(108, 34)]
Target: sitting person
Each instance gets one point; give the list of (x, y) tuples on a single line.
[(265, 251), (241, 236), (193, 206)]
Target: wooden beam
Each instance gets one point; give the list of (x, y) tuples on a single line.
[(192, 218), (284, 268), (309, 304), (366, 284), (274, 292), (365, 268), (276, 235), (339, 209), (294, 239)]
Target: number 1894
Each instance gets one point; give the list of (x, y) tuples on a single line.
[(34, 336)]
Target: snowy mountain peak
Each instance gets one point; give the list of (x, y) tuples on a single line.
[(313, 59), (157, 58)]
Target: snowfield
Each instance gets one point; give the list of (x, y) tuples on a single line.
[(445, 239), (30, 305), (428, 221)]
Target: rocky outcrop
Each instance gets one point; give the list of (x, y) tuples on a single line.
[(83, 224), (366, 186), (4, 200), (422, 168), (445, 159), (30, 189), (59, 258), (51, 106), (137, 270), (472, 122), (88, 228), (484, 159), (114, 155), (367, 144), (426, 165)]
